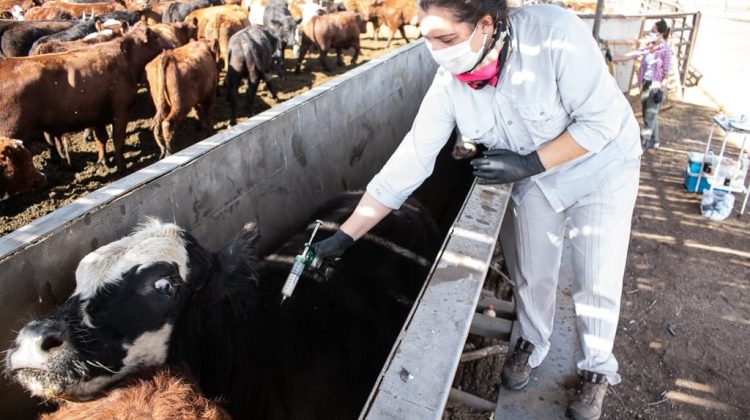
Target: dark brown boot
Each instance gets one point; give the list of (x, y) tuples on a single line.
[(588, 404), (516, 370)]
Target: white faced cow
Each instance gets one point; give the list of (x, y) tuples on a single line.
[(156, 297)]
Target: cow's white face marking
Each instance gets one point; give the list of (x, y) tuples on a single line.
[(152, 242), (149, 349)]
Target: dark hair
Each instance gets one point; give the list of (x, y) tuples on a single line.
[(662, 28), (469, 11)]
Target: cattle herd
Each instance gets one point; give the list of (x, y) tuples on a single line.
[(160, 328), (73, 66)]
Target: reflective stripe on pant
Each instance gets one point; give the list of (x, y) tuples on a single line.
[(650, 108), (598, 228)]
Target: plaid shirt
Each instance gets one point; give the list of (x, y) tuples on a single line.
[(662, 62)]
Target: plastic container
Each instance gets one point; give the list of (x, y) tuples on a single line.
[(695, 161), (691, 179)]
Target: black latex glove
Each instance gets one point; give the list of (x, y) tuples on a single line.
[(334, 246), (501, 166)]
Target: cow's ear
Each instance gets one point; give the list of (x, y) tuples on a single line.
[(240, 255)]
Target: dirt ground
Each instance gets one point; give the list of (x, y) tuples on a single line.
[(67, 184), (684, 273)]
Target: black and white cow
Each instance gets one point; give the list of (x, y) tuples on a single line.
[(156, 296)]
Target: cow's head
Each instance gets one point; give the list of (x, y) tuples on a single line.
[(284, 27), (17, 171), (130, 296)]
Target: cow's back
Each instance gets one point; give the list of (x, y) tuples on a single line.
[(348, 322), (334, 30), (181, 78), (75, 85), (17, 40)]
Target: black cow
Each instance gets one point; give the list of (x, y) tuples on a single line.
[(178, 11), (16, 39), (278, 19), (253, 53), (86, 27), (158, 297)]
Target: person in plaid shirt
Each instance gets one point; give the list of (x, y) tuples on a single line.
[(656, 59)]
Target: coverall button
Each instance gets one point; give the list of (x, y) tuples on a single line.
[(510, 122)]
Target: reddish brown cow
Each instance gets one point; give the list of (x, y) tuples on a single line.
[(47, 13), (219, 23), (6, 6), (17, 171), (180, 80), (151, 12), (177, 34), (78, 9), (71, 91), (163, 395), (394, 14), (337, 31)]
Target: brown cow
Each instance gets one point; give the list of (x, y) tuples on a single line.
[(394, 14), (151, 12), (7, 7), (47, 13), (177, 34), (180, 80), (219, 23), (163, 394), (337, 31), (78, 9), (17, 171), (71, 91)]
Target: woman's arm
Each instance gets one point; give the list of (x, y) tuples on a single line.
[(560, 150), (369, 212)]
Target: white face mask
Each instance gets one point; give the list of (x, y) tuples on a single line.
[(458, 58)]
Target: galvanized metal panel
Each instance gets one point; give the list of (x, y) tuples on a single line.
[(417, 377)]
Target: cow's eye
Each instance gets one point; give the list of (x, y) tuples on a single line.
[(164, 286)]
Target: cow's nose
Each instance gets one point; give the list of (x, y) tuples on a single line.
[(35, 344), (51, 339)]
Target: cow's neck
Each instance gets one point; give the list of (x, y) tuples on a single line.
[(227, 344)]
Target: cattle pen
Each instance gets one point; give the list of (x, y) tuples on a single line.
[(292, 157)]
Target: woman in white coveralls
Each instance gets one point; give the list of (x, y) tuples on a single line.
[(531, 86)]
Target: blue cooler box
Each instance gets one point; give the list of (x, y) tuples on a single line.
[(691, 178)]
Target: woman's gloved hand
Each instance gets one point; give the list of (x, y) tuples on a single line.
[(501, 166), (334, 246)]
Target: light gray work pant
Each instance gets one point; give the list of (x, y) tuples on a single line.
[(598, 228)]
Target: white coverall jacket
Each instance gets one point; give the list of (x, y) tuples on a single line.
[(555, 79)]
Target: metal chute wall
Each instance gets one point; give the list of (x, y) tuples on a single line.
[(274, 169)]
